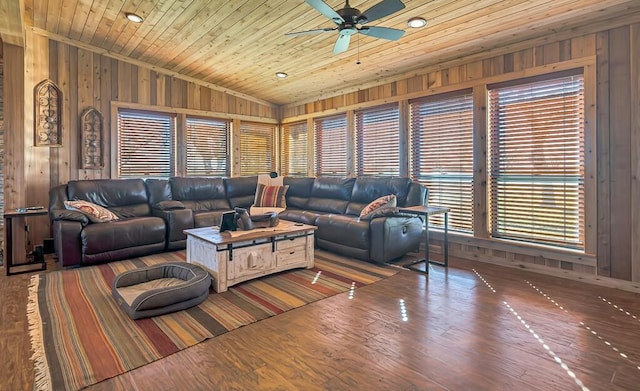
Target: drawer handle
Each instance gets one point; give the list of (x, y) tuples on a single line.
[(253, 262)]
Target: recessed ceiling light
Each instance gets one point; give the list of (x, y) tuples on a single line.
[(416, 23), (133, 17), (281, 75)]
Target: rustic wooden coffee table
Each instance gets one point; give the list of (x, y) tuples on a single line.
[(235, 256)]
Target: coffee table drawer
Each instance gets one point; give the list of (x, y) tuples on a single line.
[(291, 255), (249, 261), (285, 244)]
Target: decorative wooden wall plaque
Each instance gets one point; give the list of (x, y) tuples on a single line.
[(48, 111), (91, 139)]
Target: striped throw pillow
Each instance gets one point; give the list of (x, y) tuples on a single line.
[(271, 196)]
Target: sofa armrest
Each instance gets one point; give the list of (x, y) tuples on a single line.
[(394, 236), (71, 215), (67, 241), (176, 220)]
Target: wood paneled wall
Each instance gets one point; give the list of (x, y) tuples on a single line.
[(613, 83), (88, 79), (1, 143)]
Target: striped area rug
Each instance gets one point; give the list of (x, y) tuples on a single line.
[(80, 336)]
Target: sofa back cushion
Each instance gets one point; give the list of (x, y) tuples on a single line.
[(241, 190), (200, 194), (299, 191), (330, 194), (158, 190), (124, 197), (367, 189)]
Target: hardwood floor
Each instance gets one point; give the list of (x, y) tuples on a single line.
[(473, 326)]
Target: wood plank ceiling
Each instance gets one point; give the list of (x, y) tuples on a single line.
[(239, 45)]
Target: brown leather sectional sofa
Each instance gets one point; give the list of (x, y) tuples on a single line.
[(154, 212)]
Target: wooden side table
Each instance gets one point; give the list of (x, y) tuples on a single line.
[(427, 211), (8, 239)]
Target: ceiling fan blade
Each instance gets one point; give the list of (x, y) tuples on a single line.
[(380, 10), (342, 43), (325, 10), (311, 31), (382, 32)]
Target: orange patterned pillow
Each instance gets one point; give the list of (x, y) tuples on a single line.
[(388, 201), (95, 213)]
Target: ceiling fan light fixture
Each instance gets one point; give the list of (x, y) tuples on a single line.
[(133, 17), (281, 75), (417, 22)]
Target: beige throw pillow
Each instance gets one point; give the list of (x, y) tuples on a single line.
[(388, 201), (95, 213)]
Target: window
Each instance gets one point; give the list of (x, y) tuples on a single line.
[(537, 161), (145, 144), (256, 148), (207, 142), (441, 155), (294, 149), (378, 141), (331, 145)]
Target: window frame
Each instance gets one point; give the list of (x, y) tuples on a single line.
[(377, 124), (120, 139), (211, 124), (427, 116), (300, 152), (544, 178), (247, 148), (339, 125)]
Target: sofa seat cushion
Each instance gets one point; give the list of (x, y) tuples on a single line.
[(260, 210), (160, 289), (121, 234), (300, 216), (343, 229), (208, 218), (206, 205)]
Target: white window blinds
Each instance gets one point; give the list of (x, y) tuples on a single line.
[(294, 149), (537, 161), (331, 145), (207, 143), (145, 144), (441, 157), (377, 141), (256, 148)]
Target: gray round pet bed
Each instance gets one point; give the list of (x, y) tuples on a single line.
[(160, 289)]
